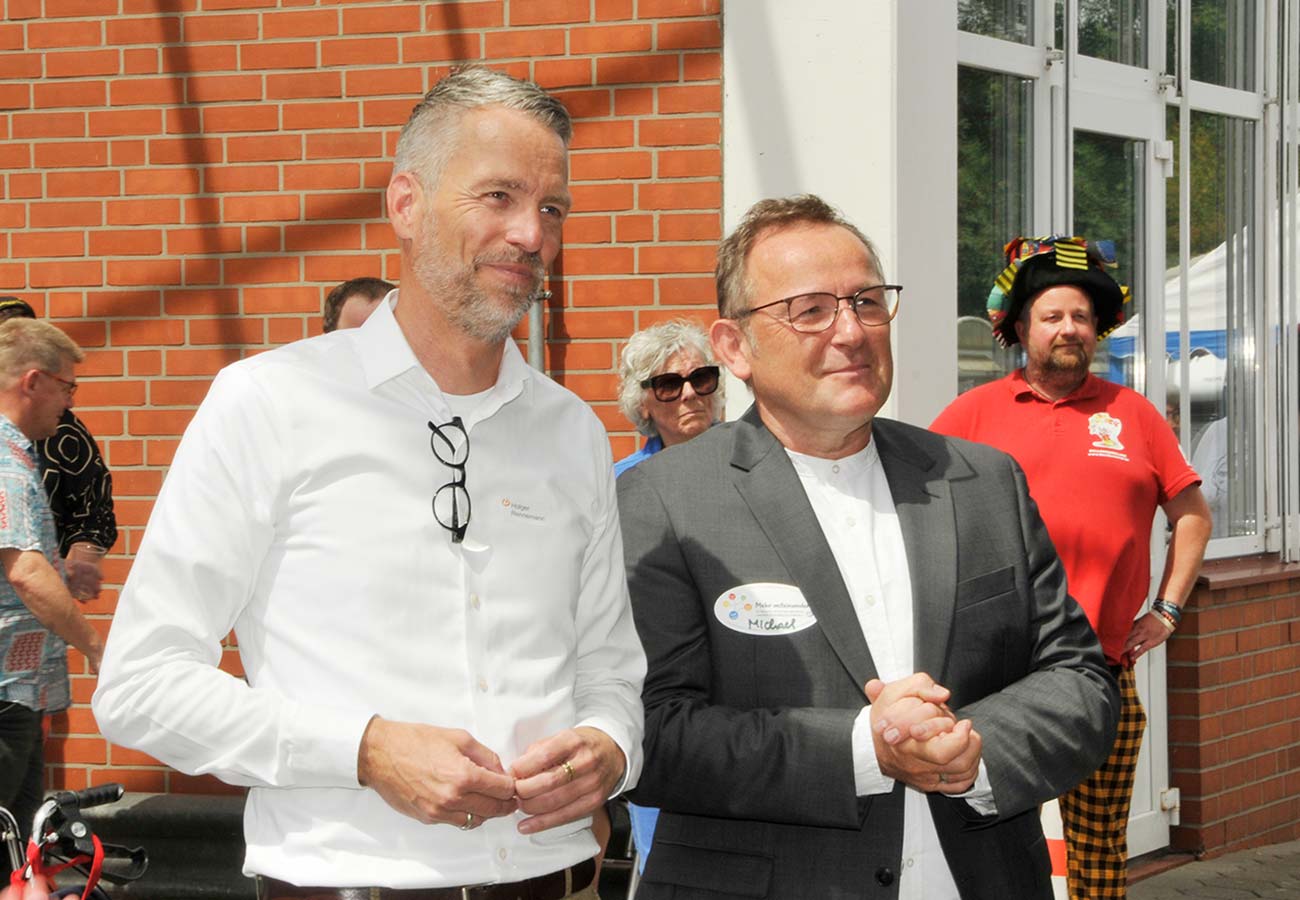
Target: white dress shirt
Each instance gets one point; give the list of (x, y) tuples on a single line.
[(298, 511), (855, 509)]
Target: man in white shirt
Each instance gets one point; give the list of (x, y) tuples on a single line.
[(415, 538), (864, 670)]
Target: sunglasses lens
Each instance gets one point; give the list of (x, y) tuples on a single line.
[(667, 386), (704, 380)]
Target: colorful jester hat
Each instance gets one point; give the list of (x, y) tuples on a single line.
[(1035, 264)]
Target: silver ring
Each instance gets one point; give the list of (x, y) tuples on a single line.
[(943, 779), (469, 822)]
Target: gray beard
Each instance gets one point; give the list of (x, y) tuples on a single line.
[(479, 317), (467, 306)]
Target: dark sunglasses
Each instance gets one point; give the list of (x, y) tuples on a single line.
[(668, 386)]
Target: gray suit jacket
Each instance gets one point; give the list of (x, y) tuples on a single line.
[(748, 739)]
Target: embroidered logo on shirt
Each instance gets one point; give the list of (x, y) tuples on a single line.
[(520, 510), (1106, 429)]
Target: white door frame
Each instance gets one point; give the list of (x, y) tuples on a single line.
[(1129, 102)]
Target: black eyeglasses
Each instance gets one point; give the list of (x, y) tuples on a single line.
[(451, 506), (668, 386), (70, 387), (811, 313)]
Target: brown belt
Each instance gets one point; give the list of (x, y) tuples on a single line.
[(544, 887)]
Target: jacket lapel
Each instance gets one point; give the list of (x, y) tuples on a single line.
[(925, 514), (765, 478)]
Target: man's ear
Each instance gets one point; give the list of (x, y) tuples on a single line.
[(731, 346), (405, 199), (27, 381), (1021, 328)]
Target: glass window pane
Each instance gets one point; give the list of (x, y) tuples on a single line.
[(1109, 178), (1223, 42), (1010, 20), (994, 185), (1114, 30), (1221, 317)]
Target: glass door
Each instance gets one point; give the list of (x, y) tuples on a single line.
[(1118, 160)]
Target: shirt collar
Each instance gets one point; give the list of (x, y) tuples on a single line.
[(386, 354), (835, 471), (11, 433), (1021, 390)]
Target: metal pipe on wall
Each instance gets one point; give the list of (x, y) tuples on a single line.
[(536, 332)]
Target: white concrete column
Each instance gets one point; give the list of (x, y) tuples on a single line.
[(856, 102)]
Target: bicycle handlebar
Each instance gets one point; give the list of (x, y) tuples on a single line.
[(98, 795)]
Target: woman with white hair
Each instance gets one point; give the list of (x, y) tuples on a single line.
[(670, 390), (670, 387)]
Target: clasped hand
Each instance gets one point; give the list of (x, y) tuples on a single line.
[(444, 775), (918, 739)]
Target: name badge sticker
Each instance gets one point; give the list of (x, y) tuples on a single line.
[(764, 608)]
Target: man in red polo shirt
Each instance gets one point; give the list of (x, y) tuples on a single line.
[(1099, 459)]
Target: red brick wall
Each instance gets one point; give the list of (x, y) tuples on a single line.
[(1234, 711), (184, 180)]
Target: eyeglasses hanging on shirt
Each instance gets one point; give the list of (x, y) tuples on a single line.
[(451, 506)]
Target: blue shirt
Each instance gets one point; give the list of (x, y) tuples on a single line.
[(652, 446), (644, 818), (33, 661)]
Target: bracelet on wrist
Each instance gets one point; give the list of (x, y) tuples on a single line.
[(1165, 619), (1161, 605)]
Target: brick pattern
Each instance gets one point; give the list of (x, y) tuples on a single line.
[(1234, 717), (183, 182)]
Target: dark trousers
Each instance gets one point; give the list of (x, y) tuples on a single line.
[(21, 764)]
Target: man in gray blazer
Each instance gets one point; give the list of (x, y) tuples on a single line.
[(865, 670)]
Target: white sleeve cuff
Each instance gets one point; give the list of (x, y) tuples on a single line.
[(867, 779), (631, 754), (980, 795), (322, 745)]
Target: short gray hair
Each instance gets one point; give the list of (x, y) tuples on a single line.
[(773, 215), (646, 352), (32, 344), (428, 138)]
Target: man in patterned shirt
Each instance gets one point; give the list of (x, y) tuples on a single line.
[(37, 613), (77, 482)]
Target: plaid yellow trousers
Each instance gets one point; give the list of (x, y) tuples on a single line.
[(1095, 814)]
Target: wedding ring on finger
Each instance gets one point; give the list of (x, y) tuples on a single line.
[(469, 822), (943, 779), (568, 770)]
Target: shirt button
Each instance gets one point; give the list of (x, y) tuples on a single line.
[(473, 600), (909, 862), (501, 854), (871, 600), (482, 684), (850, 521), (835, 469)]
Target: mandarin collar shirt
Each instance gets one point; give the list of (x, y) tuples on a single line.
[(854, 507), (298, 511)]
